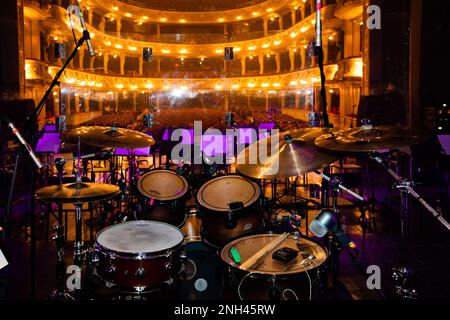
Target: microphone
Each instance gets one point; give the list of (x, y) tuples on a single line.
[(324, 222), (75, 10), (318, 23), (22, 141)]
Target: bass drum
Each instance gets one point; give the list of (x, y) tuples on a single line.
[(164, 196), (139, 256), (272, 279), (229, 208)]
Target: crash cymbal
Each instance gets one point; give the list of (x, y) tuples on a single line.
[(108, 137), (367, 139), (294, 154), (77, 192)]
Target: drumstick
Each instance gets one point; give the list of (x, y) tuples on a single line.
[(261, 253)]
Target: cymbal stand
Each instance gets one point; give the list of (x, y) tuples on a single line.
[(60, 294), (333, 244), (402, 275)]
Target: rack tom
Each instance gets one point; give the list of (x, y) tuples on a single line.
[(228, 208), (165, 194), (139, 256)]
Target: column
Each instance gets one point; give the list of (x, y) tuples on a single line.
[(303, 11), (158, 31), (159, 65), (122, 64), (101, 26), (280, 23), (134, 102), (225, 65), (90, 14), (119, 26), (297, 101), (77, 103), (105, 63), (302, 57), (267, 101), (81, 58), (283, 101), (261, 63), (227, 102), (100, 103), (86, 103), (292, 59), (278, 61), (265, 26), (243, 65), (293, 17), (91, 63), (325, 48), (67, 104), (141, 65)]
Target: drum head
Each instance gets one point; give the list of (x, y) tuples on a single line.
[(218, 193), (140, 237), (163, 185), (311, 255)]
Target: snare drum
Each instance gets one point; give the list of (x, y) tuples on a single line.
[(165, 195), (228, 208), (271, 279), (138, 256)]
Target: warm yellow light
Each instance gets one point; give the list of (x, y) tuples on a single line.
[(277, 42), (255, 14), (165, 51), (293, 83), (251, 85), (182, 58), (139, 23), (314, 80), (218, 87), (133, 87), (115, 8), (202, 59), (115, 56), (266, 45), (182, 20), (235, 86), (166, 87), (109, 93), (111, 19), (145, 17), (92, 35), (128, 14), (119, 86), (252, 47), (330, 38), (221, 19), (99, 85), (313, 21), (276, 84), (293, 34), (163, 19), (303, 82), (118, 46), (265, 85), (219, 50), (55, 93), (149, 86), (92, 83), (303, 29), (71, 80), (269, 10), (267, 55), (183, 51), (239, 18), (82, 83), (237, 49), (108, 43), (132, 48)]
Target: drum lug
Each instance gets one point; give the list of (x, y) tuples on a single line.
[(110, 270), (169, 254), (183, 256), (169, 266), (140, 274), (230, 221), (95, 259)]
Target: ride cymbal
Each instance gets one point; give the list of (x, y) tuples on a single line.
[(108, 137), (294, 155), (367, 139), (77, 192)]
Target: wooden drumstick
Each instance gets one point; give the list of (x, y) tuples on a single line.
[(261, 253)]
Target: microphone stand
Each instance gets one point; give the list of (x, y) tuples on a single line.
[(31, 127)]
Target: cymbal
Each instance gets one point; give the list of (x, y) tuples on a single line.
[(367, 139), (294, 154), (107, 137), (77, 192)]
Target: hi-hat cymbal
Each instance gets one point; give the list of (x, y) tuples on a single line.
[(367, 139), (77, 192), (107, 137), (294, 154)]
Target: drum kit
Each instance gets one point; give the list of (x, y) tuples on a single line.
[(148, 253)]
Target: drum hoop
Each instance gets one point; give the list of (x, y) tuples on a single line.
[(253, 200), (131, 255), (147, 195), (287, 274)]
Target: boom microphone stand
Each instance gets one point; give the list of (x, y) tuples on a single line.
[(30, 127)]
